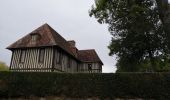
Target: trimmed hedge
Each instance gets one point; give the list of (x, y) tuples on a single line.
[(122, 85)]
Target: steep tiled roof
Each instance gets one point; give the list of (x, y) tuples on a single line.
[(88, 56), (49, 37)]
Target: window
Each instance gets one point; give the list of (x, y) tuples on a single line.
[(35, 36), (41, 55), (89, 67), (22, 56)]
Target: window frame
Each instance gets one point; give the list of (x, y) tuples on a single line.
[(35, 37)]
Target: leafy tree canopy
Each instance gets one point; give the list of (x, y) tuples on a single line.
[(138, 37)]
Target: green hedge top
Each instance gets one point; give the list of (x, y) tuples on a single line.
[(122, 85)]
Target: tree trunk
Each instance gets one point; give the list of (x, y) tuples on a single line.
[(151, 69)]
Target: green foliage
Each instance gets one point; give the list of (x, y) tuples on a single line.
[(119, 85), (138, 35), (3, 66)]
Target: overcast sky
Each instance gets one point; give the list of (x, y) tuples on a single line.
[(69, 18)]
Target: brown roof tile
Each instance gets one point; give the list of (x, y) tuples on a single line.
[(49, 37), (89, 56)]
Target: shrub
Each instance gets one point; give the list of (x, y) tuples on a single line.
[(122, 85), (3, 67)]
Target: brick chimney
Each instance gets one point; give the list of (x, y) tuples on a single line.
[(72, 43), (73, 46)]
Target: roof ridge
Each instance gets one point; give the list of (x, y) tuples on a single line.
[(38, 28), (54, 33), (87, 49), (50, 28)]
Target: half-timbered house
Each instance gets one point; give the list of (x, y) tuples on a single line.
[(46, 51)]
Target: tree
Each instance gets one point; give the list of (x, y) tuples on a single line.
[(138, 37), (3, 66)]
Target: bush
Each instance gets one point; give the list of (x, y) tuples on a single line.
[(3, 67), (122, 85)]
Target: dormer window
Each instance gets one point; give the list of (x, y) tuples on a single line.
[(35, 37)]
